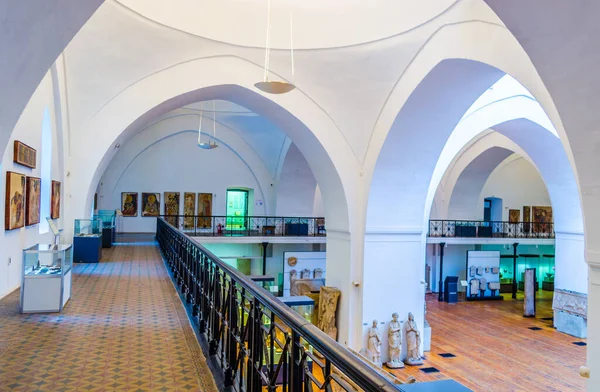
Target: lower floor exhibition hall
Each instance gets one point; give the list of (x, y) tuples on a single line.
[(282, 195)]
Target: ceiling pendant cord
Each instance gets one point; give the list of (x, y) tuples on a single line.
[(292, 45), (268, 43), (214, 123), (266, 85), (200, 126)]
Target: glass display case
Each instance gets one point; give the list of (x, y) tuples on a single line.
[(302, 305), (87, 241), (108, 226), (46, 278)]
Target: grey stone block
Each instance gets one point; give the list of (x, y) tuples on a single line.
[(570, 324)]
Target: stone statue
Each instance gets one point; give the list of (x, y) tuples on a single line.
[(413, 342), (305, 274), (374, 344), (395, 343), (328, 300)]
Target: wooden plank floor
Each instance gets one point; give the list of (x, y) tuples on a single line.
[(495, 349)]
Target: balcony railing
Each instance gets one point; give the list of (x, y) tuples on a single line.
[(245, 226), (260, 343), (493, 229)]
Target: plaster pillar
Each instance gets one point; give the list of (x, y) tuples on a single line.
[(593, 318), (394, 273), (340, 273)]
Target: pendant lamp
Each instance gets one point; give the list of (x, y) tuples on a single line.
[(210, 145), (272, 86)]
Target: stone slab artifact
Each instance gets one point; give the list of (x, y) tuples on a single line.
[(474, 287), (328, 302), (529, 302), (482, 286), (413, 342), (570, 312), (318, 273), (374, 344), (305, 285), (570, 302), (395, 343)]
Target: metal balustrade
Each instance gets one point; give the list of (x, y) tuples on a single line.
[(260, 343), (256, 226), (490, 229)]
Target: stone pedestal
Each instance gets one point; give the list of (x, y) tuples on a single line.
[(426, 337)]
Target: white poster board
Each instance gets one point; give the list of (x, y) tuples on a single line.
[(483, 265)]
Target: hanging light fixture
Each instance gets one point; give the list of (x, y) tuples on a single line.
[(271, 86), (210, 145)]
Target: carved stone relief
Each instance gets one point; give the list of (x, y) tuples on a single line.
[(328, 302), (570, 302)]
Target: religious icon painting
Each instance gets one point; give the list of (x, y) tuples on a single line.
[(514, 216), (150, 204), (24, 155), (205, 210), (172, 208), (55, 200), (129, 203), (15, 201), (32, 206), (189, 210)]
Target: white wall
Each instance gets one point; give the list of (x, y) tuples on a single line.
[(516, 181), (29, 131), (296, 188), (518, 184), (175, 164)]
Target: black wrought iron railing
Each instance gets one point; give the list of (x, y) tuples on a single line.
[(257, 226), (260, 343), (493, 229)]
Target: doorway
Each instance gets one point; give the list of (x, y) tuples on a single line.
[(492, 212), (237, 209)]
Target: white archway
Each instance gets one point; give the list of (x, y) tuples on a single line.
[(433, 95), (229, 78)]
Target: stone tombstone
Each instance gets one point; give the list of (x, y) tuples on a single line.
[(305, 274), (570, 312), (413, 342), (374, 344), (318, 273), (328, 302), (529, 302), (395, 343)]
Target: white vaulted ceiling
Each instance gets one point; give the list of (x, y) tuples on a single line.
[(316, 23), (120, 47)]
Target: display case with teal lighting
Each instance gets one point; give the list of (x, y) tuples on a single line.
[(87, 241), (108, 221)]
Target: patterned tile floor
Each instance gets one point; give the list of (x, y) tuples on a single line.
[(124, 329)]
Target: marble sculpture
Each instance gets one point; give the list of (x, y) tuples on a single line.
[(374, 344), (413, 342), (395, 343)]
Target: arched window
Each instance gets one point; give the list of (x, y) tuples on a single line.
[(46, 171)]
